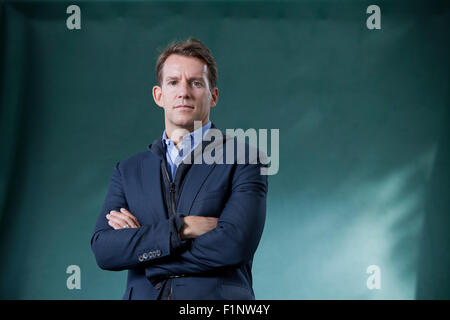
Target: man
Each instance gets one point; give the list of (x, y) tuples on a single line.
[(182, 228)]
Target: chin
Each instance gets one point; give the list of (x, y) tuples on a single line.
[(184, 122)]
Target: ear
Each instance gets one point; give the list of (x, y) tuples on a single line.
[(157, 96), (214, 97)]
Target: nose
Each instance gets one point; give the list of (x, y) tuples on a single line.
[(183, 90)]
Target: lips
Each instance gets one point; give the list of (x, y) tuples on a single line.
[(184, 106)]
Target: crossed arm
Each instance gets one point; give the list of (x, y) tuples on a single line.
[(231, 239), (194, 226)]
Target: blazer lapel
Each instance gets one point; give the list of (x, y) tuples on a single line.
[(195, 179), (196, 176), (151, 180)]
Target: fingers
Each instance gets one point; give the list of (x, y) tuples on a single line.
[(196, 226), (212, 222), (199, 219), (130, 215), (116, 226), (118, 220)]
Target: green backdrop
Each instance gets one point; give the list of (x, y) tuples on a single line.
[(364, 128)]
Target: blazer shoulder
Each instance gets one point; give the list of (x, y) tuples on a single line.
[(243, 152), (134, 159)]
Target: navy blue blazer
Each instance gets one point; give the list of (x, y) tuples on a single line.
[(216, 265)]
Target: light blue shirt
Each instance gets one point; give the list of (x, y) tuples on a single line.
[(175, 157)]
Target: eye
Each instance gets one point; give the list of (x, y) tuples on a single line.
[(198, 84), (172, 83)]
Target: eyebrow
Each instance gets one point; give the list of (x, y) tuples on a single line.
[(190, 79)]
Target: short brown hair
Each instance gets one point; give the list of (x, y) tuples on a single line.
[(190, 48)]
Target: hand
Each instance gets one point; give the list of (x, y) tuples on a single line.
[(118, 220), (195, 226)]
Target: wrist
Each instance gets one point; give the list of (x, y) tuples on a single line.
[(184, 232)]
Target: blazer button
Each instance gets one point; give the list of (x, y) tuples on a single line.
[(145, 256), (158, 253), (151, 255), (141, 258)]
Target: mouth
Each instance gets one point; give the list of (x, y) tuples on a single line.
[(184, 107)]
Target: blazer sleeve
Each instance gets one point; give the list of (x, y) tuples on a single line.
[(132, 247), (235, 239)]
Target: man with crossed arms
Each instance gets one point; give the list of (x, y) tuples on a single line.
[(183, 229)]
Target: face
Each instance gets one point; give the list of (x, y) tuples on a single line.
[(185, 93)]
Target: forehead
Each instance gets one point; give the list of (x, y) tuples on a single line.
[(176, 65)]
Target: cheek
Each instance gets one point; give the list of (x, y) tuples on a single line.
[(168, 98), (205, 99)]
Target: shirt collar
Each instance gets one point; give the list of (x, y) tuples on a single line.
[(203, 129)]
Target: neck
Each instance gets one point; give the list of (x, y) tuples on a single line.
[(176, 132)]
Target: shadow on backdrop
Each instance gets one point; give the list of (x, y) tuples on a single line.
[(434, 263)]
